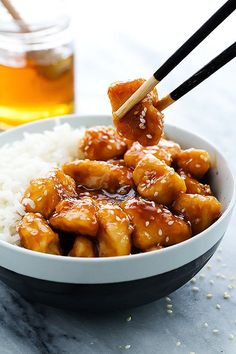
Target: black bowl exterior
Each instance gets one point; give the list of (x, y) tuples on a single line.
[(104, 297)]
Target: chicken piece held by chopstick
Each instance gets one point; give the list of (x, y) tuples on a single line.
[(143, 123)]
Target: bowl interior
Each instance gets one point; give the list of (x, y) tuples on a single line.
[(220, 176), (114, 269)]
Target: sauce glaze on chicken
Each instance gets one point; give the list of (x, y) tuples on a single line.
[(134, 191)]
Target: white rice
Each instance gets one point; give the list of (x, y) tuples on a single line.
[(33, 156)]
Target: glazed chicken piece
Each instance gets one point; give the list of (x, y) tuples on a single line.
[(83, 247), (137, 152), (154, 225), (193, 186), (143, 123), (114, 235), (43, 194), (36, 235), (100, 175), (200, 210), (102, 143), (76, 216), (170, 146), (193, 161), (157, 181)]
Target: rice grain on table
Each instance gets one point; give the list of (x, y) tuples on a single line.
[(33, 156)]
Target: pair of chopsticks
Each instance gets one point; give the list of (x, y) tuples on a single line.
[(223, 58)]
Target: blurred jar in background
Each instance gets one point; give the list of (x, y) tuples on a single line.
[(36, 70)]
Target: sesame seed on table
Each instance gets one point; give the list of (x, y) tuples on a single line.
[(200, 317)]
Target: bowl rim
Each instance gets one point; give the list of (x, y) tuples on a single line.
[(63, 119)]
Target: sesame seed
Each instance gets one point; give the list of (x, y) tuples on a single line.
[(147, 223), (142, 120), (219, 275), (231, 286), (231, 336), (215, 331), (209, 296), (160, 232), (218, 306), (169, 306), (127, 346), (195, 289), (183, 210), (168, 299), (171, 222), (109, 147), (226, 295), (149, 136), (135, 112), (206, 324), (143, 113), (167, 239), (197, 165), (169, 311), (193, 280), (128, 319), (118, 218), (178, 343), (155, 194)]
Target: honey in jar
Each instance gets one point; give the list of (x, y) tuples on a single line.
[(36, 73)]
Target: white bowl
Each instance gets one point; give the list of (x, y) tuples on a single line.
[(115, 282)]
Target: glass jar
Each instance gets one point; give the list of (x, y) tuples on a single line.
[(36, 71)]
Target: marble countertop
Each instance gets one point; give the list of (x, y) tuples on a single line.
[(202, 321)]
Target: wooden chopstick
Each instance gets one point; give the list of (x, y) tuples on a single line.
[(201, 75), (15, 14), (217, 18)]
